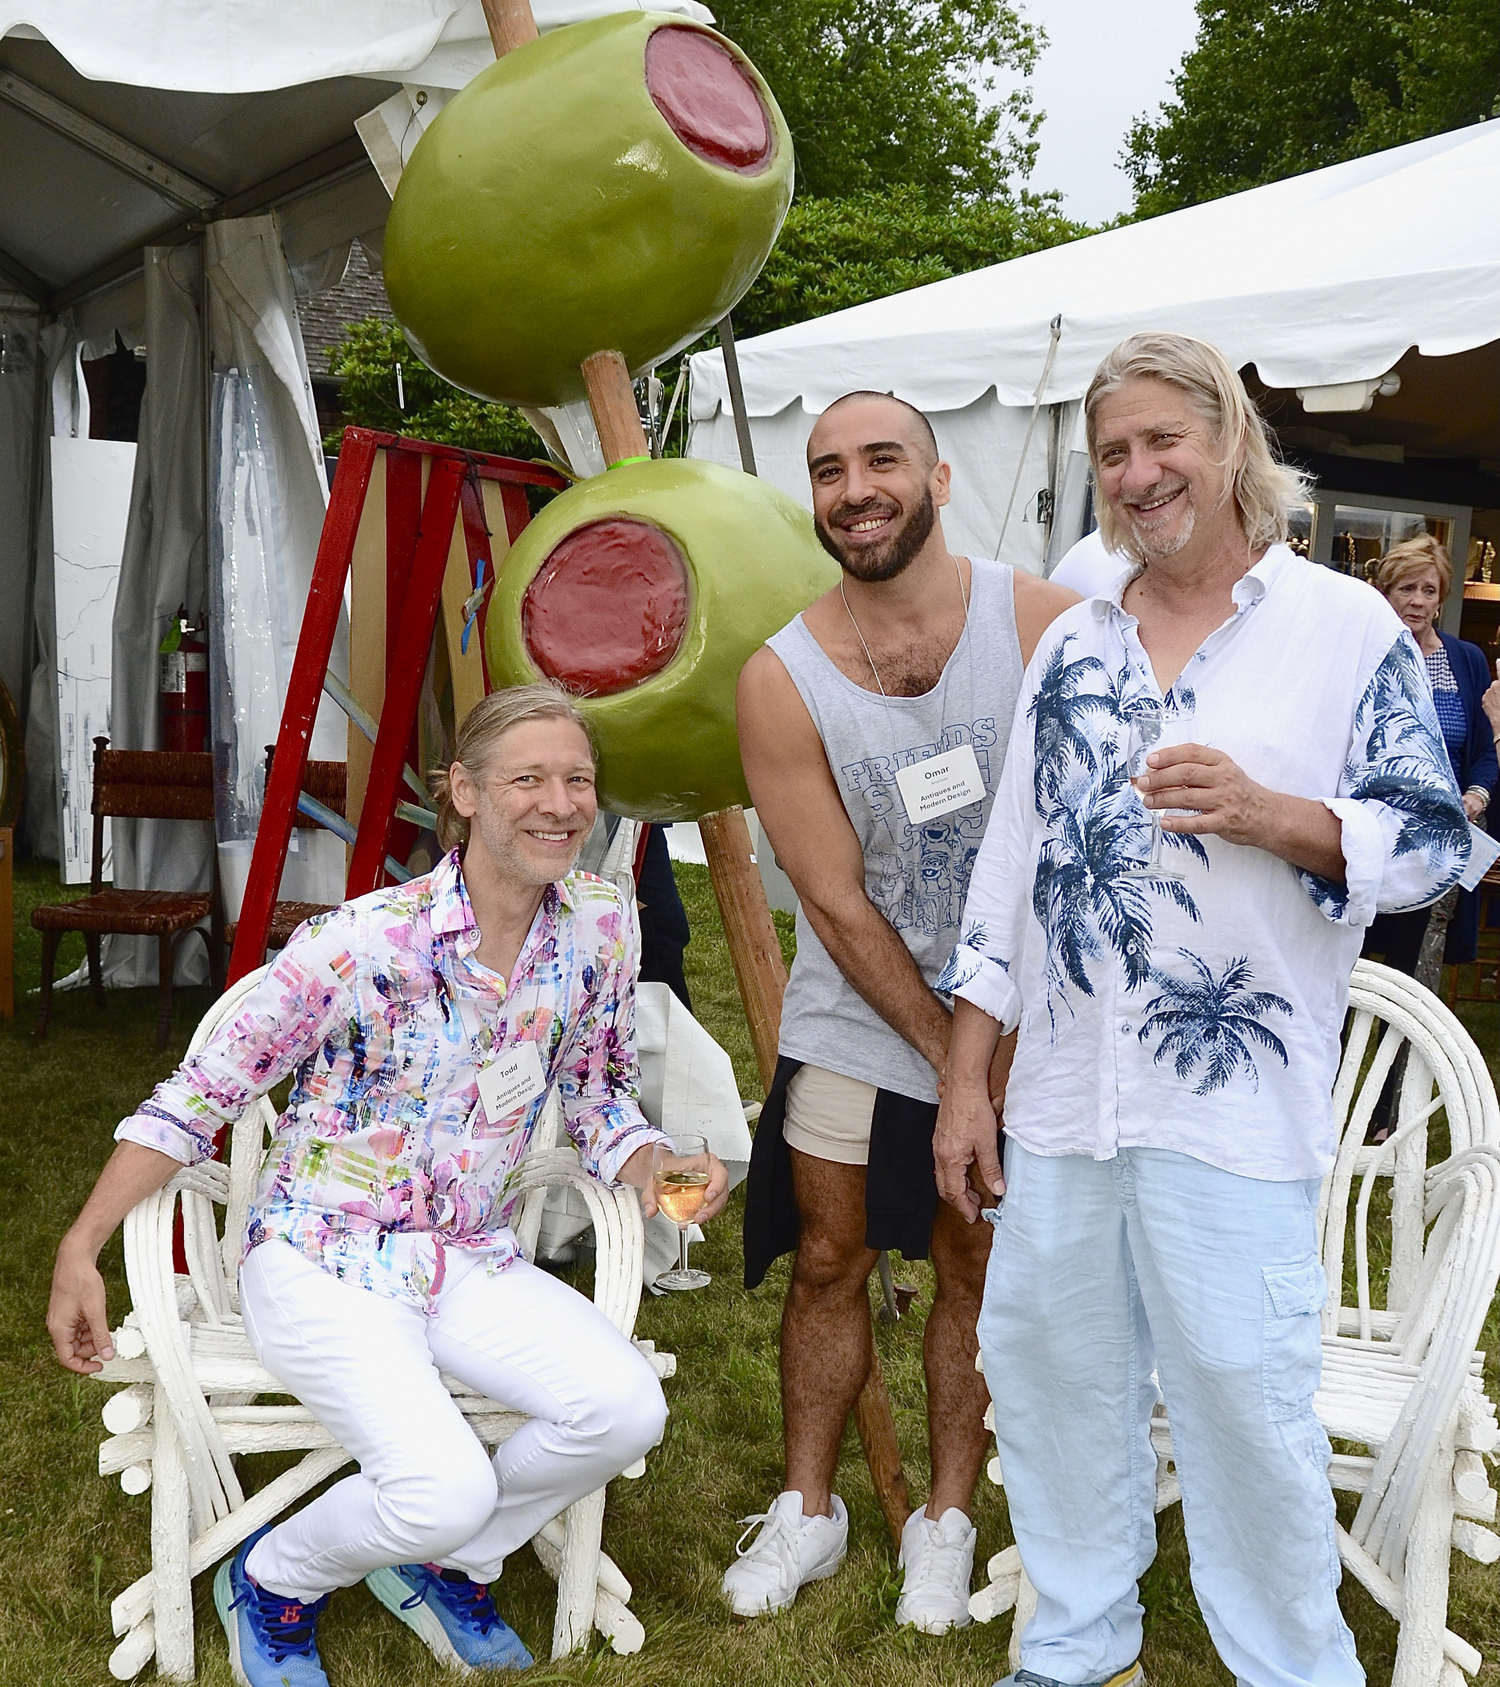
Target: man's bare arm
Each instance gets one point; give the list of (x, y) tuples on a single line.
[(1222, 800), (1038, 605), (76, 1316), (803, 816)]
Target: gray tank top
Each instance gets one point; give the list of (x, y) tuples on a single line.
[(917, 877)]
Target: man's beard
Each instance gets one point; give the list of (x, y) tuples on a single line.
[(1154, 548), (887, 559)]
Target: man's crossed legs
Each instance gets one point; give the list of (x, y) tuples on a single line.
[(430, 1518), (825, 1358)]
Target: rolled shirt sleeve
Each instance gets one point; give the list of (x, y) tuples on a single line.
[(1404, 831), (983, 962), (599, 1080), (276, 1026)]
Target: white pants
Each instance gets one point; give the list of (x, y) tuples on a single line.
[(427, 1492)]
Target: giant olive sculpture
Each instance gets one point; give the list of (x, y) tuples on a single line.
[(644, 591), (615, 184)]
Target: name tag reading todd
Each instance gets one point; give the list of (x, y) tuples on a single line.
[(940, 784), (511, 1081)]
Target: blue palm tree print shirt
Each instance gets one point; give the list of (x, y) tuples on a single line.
[(1202, 1013)]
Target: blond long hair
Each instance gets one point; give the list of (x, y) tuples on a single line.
[(1263, 488), (482, 729)]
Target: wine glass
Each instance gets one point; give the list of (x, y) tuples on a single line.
[(680, 1171), (1153, 726)]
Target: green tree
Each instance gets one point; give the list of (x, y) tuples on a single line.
[(833, 253), (372, 397), (900, 92), (1272, 88)]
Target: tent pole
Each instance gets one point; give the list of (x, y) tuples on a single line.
[(736, 394), (41, 435)]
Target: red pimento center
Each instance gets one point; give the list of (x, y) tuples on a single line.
[(707, 96), (607, 609)]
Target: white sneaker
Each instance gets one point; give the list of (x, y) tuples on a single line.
[(939, 1561), (789, 1550)]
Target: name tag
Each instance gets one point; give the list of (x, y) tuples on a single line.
[(940, 784), (511, 1081)]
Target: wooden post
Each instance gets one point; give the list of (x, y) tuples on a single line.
[(753, 945), (511, 24), (7, 926)]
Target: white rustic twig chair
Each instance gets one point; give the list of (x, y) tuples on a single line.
[(195, 1392), (1401, 1381)]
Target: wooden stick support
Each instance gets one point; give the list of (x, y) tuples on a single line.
[(877, 1435), (751, 932), (511, 24), (754, 947)]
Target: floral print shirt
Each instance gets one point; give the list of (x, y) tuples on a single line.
[(1202, 1013), (382, 1159)]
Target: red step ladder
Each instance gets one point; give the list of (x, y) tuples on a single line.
[(419, 534)]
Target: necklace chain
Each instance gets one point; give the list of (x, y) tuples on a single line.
[(963, 596)]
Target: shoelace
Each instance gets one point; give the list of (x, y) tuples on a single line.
[(940, 1564), (468, 1600), (286, 1627), (774, 1524)]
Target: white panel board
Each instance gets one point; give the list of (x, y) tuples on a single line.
[(90, 503)]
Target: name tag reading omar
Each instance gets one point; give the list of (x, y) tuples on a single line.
[(511, 1081), (940, 784)]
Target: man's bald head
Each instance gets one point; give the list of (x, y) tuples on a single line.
[(914, 427)]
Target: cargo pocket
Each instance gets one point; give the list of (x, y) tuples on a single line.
[(1293, 1337)]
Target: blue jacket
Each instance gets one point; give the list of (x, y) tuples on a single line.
[(1471, 669)]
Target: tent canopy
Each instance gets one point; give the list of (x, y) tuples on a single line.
[(1325, 278), (121, 126)]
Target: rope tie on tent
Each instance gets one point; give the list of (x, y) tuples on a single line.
[(1036, 405)]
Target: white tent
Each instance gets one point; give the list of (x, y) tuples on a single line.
[(137, 140), (1334, 277)]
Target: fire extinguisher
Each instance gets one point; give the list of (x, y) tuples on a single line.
[(184, 687)]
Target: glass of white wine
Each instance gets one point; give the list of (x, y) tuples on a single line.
[(680, 1172), (1155, 727)]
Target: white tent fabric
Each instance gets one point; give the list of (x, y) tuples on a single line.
[(245, 46), (163, 566), (267, 494), (1328, 277)]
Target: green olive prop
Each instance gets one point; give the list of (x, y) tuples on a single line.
[(644, 591), (613, 185)]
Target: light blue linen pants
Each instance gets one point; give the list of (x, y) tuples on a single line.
[(1100, 1272)]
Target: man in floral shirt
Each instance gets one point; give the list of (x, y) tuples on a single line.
[(424, 1026)]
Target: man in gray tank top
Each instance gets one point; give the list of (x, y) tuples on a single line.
[(873, 730)]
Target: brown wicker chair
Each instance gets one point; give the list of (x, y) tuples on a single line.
[(328, 782), (139, 785)]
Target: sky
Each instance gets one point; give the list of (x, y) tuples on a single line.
[(1105, 64)]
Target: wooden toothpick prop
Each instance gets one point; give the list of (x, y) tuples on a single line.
[(754, 947)]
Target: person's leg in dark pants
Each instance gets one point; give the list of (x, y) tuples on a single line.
[(664, 921)]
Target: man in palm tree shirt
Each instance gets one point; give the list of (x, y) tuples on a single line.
[(1167, 1115)]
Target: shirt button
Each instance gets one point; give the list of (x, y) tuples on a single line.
[(1125, 1029)]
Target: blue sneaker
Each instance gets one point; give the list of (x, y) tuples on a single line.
[(273, 1640), (1135, 1676), (455, 1617)]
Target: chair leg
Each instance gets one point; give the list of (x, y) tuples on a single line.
[(92, 942), (166, 964), (1419, 1646), (50, 941), (171, 1533), (578, 1575)]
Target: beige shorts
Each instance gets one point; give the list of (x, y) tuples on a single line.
[(828, 1116)]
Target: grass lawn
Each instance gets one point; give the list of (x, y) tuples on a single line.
[(70, 1541)]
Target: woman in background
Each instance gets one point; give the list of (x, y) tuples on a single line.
[(1415, 577)]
